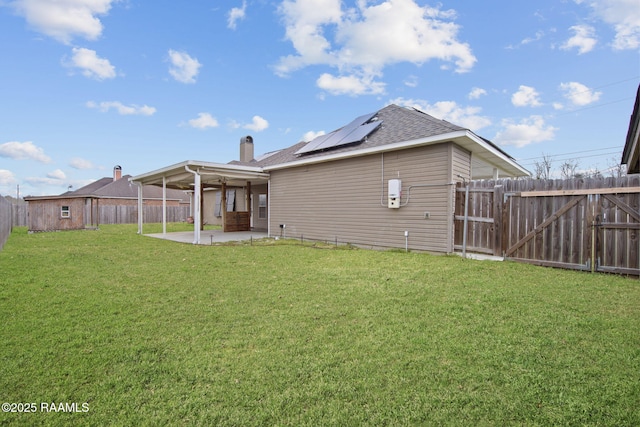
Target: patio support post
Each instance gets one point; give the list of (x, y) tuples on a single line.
[(139, 184), (164, 205), (196, 205), (201, 207), (248, 203), (223, 206)]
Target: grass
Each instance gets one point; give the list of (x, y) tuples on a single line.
[(150, 332)]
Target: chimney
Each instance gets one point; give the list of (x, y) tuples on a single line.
[(246, 149), (117, 172)]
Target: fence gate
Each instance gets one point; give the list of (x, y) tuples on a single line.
[(483, 215), (585, 224)]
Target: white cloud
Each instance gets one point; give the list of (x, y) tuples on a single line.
[(236, 14), (583, 39), (184, 68), (530, 130), (23, 151), (57, 174), (467, 117), (350, 85), (579, 94), (38, 181), (204, 121), (258, 124), (624, 16), (539, 35), (64, 19), (311, 135), (304, 21), (125, 110), (411, 81), (91, 65), (526, 96), (400, 30), (359, 42), (7, 177), (476, 93), (79, 163)]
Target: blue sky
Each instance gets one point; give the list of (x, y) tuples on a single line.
[(89, 84)]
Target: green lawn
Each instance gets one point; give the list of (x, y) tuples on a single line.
[(149, 332)]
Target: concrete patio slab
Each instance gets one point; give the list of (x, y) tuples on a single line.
[(210, 237)]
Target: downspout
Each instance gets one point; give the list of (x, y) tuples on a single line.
[(196, 205), (382, 181)]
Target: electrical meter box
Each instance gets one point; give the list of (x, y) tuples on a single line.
[(395, 192)]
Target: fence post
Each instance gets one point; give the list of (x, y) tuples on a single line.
[(466, 220), (498, 229)]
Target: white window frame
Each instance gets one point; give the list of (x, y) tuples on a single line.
[(262, 206)]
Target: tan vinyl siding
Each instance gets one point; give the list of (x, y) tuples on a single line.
[(461, 163), (347, 200), (259, 223)]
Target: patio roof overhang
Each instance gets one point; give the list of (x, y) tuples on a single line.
[(181, 175)]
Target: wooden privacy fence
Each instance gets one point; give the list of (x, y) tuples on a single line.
[(6, 220), (129, 214), (20, 215), (585, 224)]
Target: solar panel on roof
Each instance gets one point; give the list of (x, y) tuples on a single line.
[(359, 133), (353, 132), (314, 143)]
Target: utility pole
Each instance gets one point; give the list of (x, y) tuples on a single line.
[(17, 192)]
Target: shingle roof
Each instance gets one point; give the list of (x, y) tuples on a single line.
[(90, 189), (121, 188), (398, 124), (630, 154)]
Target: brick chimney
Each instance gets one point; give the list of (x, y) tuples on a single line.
[(246, 149), (117, 172)]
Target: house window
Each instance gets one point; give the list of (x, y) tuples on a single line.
[(65, 212), (262, 206)]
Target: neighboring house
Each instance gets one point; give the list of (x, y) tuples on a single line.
[(84, 207), (386, 179), (631, 153)]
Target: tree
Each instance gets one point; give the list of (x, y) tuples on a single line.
[(616, 168), (568, 169), (543, 167)]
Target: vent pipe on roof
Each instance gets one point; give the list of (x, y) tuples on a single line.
[(117, 172), (246, 149)]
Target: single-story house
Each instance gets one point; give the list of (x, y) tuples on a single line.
[(386, 179), (82, 208), (631, 152)]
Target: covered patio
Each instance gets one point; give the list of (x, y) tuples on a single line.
[(195, 177)]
